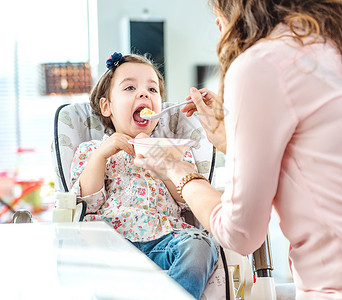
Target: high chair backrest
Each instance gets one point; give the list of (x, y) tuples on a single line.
[(76, 123)]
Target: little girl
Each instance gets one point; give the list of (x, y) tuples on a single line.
[(144, 209)]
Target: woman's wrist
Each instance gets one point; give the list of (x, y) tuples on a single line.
[(218, 138), (179, 170), (186, 179)]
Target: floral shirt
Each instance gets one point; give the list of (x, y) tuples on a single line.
[(137, 205)]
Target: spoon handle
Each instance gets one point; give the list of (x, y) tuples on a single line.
[(158, 115), (176, 105)]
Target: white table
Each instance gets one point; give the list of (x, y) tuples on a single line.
[(87, 260)]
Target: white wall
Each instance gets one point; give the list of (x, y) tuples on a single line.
[(190, 36)]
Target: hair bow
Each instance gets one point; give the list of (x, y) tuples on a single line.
[(114, 60)]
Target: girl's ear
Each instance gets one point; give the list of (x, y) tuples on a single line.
[(105, 107)]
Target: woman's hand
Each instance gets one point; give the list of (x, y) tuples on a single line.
[(198, 194), (207, 100), (206, 112), (169, 171), (165, 169)]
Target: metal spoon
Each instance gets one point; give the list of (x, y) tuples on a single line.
[(158, 115)]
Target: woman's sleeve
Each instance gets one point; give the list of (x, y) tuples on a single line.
[(80, 160), (259, 122)]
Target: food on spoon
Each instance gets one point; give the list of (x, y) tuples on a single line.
[(146, 112)]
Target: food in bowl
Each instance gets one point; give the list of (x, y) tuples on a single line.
[(162, 147), (146, 112)]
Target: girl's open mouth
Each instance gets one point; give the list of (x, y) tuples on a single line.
[(137, 118)]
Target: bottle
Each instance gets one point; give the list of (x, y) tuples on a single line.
[(65, 205)]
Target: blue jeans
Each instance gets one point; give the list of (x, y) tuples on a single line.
[(189, 256)]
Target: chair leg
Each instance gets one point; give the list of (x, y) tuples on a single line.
[(264, 287), (263, 260)]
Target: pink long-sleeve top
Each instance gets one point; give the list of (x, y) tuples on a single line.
[(283, 123)]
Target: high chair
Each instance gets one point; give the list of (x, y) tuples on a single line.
[(233, 275)]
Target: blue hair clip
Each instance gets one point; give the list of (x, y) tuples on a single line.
[(114, 60)]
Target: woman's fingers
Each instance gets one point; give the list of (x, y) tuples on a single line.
[(188, 107), (190, 112), (198, 101), (158, 167), (197, 98), (203, 104)]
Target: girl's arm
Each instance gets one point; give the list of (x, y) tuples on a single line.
[(92, 177), (173, 191)]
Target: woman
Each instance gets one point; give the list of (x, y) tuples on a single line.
[(281, 100)]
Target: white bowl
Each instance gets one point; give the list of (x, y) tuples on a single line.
[(162, 147)]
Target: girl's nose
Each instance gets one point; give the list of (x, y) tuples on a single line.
[(143, 94)]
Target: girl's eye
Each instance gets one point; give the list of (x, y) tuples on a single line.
[(129, 88), (153, 90)]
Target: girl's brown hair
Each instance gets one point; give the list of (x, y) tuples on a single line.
[(252, 20), (103, 87)]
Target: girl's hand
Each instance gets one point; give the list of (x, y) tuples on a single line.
[(206, 112), (142, 135), (115, 143)]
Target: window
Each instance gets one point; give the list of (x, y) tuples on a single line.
[(37, 32)]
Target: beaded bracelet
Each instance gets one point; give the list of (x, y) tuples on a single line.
[(186, 179)]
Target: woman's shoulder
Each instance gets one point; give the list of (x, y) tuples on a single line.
[(265, 61), (255, 59), (270, 56), (269, 50), (281, 48)]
